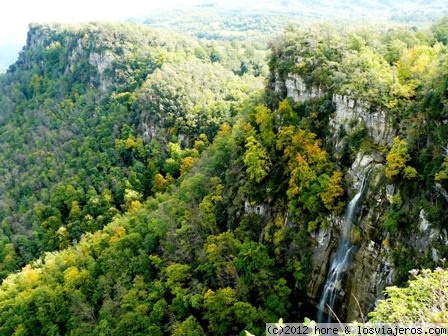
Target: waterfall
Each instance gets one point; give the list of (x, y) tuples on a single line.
[(342, 259)]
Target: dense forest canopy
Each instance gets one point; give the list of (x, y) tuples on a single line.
[(257, 21), (153, 183), (74, 107)]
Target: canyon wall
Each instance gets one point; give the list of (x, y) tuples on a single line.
[(372, 267)]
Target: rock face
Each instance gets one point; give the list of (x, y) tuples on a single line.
[(327, 240), (372, 267), (259, 209), (83, 54), (352, 114), (102, 62), (297, 90)]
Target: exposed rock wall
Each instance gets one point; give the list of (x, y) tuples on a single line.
[(102, 61), (327, 240), (352, 114), (371, 269), (372, 266), (297, 90), (80, 51)]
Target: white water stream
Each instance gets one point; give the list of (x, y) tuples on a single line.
[(342, 259)]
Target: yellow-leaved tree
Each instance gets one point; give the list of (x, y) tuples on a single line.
[(313, 185), (396, 160)]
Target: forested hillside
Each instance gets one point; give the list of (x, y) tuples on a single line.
[(389, 89), (159, 184), (257, 21), (74, 152)]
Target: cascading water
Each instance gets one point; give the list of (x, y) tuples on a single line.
[(342, 259)]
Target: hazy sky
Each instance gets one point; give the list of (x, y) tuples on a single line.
[(16, 14)]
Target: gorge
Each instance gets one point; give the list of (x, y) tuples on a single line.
[(153, 183)]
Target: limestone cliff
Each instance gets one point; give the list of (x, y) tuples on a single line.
[(372, 268), (297, 90), (352, 114), (75, 52)]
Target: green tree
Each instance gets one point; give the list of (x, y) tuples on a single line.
[(423, 301), (256, 159), (189, 327), (440, 30)]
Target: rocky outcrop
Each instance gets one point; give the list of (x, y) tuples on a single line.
[(102, 61), (371, 269), (428, 236), (40, 35), (260, 209), (297, 90), (352, 114), (326, 241), (372, 272), (81, 53)]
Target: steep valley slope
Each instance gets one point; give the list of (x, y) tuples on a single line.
[(156, 184)]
